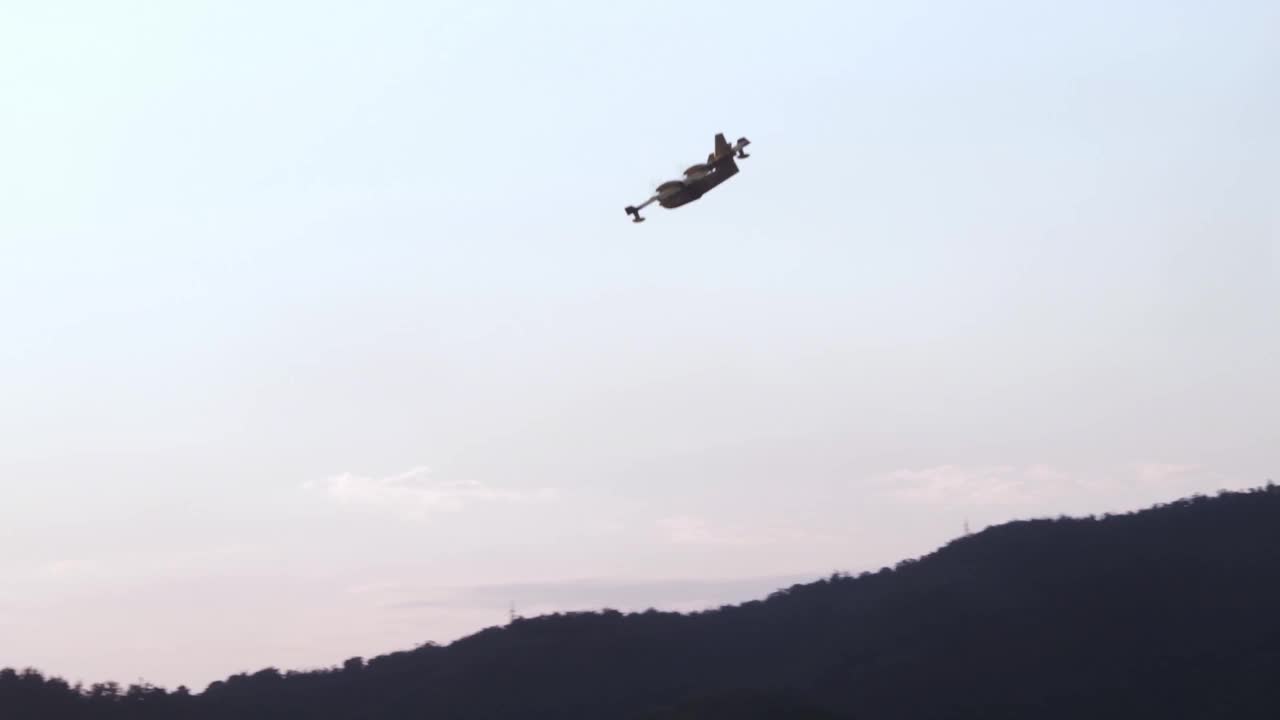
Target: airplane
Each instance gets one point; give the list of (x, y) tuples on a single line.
[(698, 179)]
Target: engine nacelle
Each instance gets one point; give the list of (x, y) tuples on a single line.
[(670, 186)]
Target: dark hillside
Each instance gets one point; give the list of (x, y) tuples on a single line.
[(1172, 612)]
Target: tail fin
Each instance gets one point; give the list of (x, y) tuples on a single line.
[(723, 148)]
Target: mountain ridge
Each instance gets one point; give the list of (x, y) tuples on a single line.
[(1171, 610)]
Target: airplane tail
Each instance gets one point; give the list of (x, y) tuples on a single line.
[(723, 148)]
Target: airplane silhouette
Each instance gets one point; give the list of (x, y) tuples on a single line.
[(698, 180)]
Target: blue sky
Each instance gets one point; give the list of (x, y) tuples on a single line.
[(325, 334)]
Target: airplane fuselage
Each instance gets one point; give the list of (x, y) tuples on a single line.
[(691, 188)]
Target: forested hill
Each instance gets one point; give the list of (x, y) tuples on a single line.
[(1172, 612)]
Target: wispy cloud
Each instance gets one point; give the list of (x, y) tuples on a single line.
[(691, 530), (170, 562), (1044, 485), (990, 485), (417, 493), (1153, 473)]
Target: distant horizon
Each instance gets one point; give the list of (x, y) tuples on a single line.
[(1165, 609), (611, 585)]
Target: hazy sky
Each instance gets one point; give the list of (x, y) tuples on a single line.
[(323, 332)]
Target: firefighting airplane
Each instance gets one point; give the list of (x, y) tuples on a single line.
[(698, 180)]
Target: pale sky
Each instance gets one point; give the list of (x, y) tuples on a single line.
[(324, 332)]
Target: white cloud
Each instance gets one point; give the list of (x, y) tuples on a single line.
[(416, 493), (996, 485), (375, 588), (152, 562), (698, 531), (1153, 473), (690, 530), (1047, 487)]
